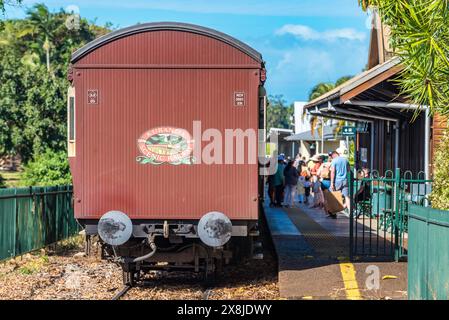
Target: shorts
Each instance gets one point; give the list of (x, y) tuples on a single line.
[(307, 191), (325, 184), (342, 185)]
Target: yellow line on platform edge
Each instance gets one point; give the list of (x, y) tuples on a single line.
[(348, 273)]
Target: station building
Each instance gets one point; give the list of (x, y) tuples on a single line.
[(396, 137)]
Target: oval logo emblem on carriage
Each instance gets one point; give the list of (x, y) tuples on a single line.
[(165, 145)]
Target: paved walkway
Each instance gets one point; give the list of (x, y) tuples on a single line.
[(313, 262)]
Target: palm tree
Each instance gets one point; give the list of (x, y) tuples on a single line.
[(8, 2), (316, 92), (11, 33), (44, 24), (419, 33), (320, 89)]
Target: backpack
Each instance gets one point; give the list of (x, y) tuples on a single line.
[(325, 172)]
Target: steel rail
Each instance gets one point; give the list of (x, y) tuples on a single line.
[(122, 292)]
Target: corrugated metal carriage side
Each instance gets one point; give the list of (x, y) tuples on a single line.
[(137, 98)]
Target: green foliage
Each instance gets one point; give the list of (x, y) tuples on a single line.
[(316, 92), (320, 89), (351, 157), (325, 87), (34, 264), (2, 182), (3, 3), (440, 190), (11, 179), (420, 36), (50, 168), (342, 80), (279, 114), (34, 58)]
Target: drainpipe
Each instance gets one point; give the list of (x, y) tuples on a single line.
[(354, 119), (405, 106), (339, 117), (396, 144), (372, 146), (427, 144), (347, 139), (322, 135), (382, 104), (362, 114), (396, 127)]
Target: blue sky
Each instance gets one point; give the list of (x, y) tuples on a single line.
[(303, 41)]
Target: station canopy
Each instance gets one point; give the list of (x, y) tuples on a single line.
[(373, 94), (328, 135)]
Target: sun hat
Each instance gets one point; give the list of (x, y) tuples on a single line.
[(341, 151)]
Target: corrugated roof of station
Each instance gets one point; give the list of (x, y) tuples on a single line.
[(354, 82)]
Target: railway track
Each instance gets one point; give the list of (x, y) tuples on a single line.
[(206, 294), (122, 292)]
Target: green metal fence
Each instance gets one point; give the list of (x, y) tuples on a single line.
[(428, 254), (412, 191), (379, 215), (32, 218)]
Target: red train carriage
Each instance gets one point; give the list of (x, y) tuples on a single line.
[(138, 99)]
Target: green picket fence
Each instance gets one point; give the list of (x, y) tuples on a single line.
[(379, 220), (428, 253), (35, 217)]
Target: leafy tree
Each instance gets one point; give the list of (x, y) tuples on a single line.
[(316, 92), (325, 87), (420, 36), (12, 96), (43, 25), (3, 3), (32, 100), (440, 188), (2, 182), (342, 80), (320, 89), (45, 112), (279, 114), (47, 169)]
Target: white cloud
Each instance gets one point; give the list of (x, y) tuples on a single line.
[(307, 33), (294, 71)]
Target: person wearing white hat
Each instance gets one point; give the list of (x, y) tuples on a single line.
[(343, 152)]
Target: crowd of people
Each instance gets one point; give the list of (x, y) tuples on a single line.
[(306, 181)]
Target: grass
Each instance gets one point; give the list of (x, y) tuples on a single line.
[(40, 258), (72, 243), (34, 265), (12, 178)]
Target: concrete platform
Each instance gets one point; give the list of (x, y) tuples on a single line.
[(313, 253)]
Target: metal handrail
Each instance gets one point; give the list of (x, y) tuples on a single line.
[(30, 195)]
